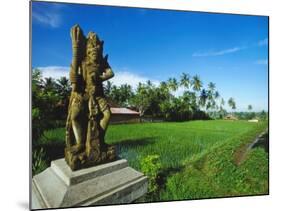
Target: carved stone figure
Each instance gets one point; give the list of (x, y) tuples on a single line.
[(88, 112)]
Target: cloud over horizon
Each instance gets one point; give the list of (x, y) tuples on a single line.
[(55, 72), (120, 77), (130, 78)]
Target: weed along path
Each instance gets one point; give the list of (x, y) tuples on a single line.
[(261, 140), (189, 160)]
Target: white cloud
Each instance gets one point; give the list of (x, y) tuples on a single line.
[(49, 16), (54, 71), (217, 53), (50, 19), (178, 92), (120, 77), (262, 61), (263, 42), (126, 77)]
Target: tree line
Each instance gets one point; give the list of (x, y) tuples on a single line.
[(50, 98), (159, 101)]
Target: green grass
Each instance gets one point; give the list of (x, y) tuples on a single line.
[(197, 157)]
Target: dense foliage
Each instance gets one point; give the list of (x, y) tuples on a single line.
[(49, 103)]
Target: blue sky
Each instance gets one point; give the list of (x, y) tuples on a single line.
[(229, 50)]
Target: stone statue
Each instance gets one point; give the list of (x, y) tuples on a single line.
[(88, 112)]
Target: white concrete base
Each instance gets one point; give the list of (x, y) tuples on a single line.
[(110, 183)]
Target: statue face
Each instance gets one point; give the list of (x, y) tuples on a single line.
[(92, 53), (94, 48)]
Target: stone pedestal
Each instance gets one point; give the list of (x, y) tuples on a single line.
[(110, 183)]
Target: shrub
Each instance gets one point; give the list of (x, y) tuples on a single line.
[(150, 166), (38, 161)]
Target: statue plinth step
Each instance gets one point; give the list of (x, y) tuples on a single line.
[(110, 183)]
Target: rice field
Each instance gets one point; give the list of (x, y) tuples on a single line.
[(197, 158)]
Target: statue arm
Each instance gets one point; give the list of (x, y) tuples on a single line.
[(107, 73)]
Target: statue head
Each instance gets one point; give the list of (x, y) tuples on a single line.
[(94, 48)]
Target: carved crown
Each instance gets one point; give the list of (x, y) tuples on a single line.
[(93, 40)]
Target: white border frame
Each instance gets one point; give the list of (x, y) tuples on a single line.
[(15, 102)]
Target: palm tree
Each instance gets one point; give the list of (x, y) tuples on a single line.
[(217, 95), (196, 86), (172, 84), (196, 83), (163, 86), (231, 103), (185, 80), (125, 93), (163, 93), (203, 98), (37, 81), (142, 98), (222, 111), (49, 84), (149, 83), (251, 115), (63, 87), (212, 86), (63, 90), (222, 102), (210, 96), (209, 105), (250, 107)]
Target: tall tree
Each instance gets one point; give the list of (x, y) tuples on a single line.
[(49, 84), (37, 81), (203, 98), (212, 86), (217, 95), (164, 87), (196, 86), (121, 95), (222, 102), (250, 107), (142, 98), (231, 103), (172, 84), (185, 80), (63, 88), (250, 115), (196, 83)]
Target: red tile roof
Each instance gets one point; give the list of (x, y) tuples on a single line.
[(123, 111)]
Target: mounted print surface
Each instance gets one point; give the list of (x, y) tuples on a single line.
[(134, 105)]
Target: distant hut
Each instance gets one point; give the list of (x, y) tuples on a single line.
[(230, 117), (123, 115)]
